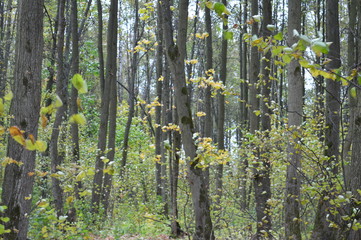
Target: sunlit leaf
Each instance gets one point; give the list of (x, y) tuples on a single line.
[(58, 103), (353, 92), (69, 199), (79, 83), (43, 204), (29, 145), (41, 146), (228, 35), (219, 8), (17, 135), (320, 47), (278, 36), (44, 121), (78, 118)]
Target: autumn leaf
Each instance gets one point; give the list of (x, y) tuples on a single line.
[(41, 146), (44, 121), (17, 135), (78, 118), (79, 83)]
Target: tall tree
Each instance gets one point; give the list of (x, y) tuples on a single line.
[(221, 113), (355, 122), (111, 68), (131, 85), (57, 155), (244, 98), (332, 132), (262, 181), (73, 106), (176, 55), (25, 107), (295, 115)]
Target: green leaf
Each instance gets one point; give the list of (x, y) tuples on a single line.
[(359, 79), (319, 48), (219, 8), (79, 83), (278, 36), (5, 219), (353, 92), (286, 58), (228, 35)]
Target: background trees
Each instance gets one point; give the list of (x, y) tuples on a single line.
[(181, 117)]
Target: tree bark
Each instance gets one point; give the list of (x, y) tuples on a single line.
[(158, 109), (176, 56), (295, 115), (56, 154), (131, 86), (332, 132), (355, 122), (18, 183), (98, 181), (221, 115), (262, 181)]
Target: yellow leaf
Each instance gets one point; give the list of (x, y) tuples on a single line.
[(2, 130), (69, 199), (78, 118), (43, 204), (41, 146), (201, 114), (44, 121), (79, 83), (58, 103), (257, 112), (30, 145)]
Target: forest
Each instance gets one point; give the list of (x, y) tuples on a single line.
[(180, 119)]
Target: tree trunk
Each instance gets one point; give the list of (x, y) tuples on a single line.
[(244, 109), (295, 115), (73, 106), (262, 181), (355, 122), (56, 154), (321, 227), (197, 180), (18, 183), (221, 116), (158, 109), (104, 117), (131, 84)]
